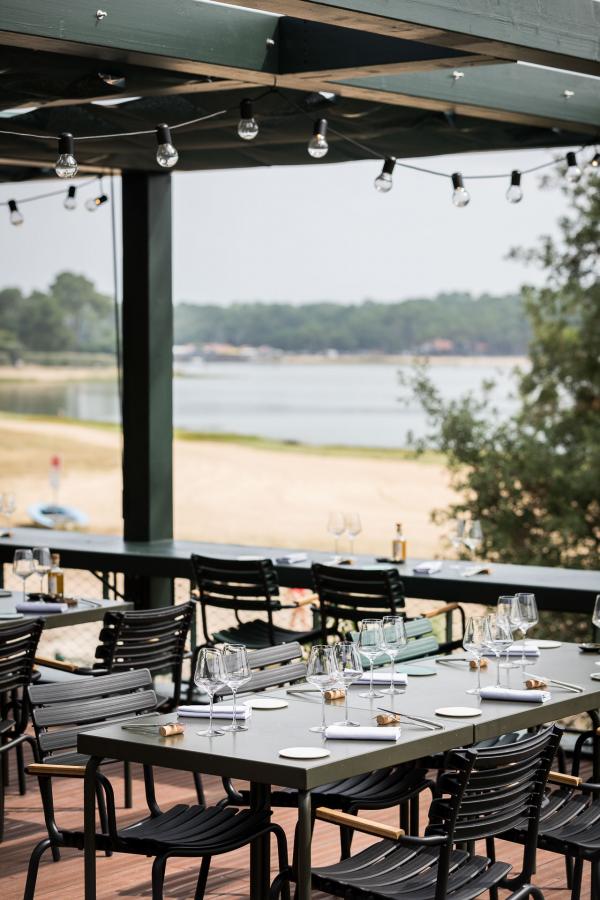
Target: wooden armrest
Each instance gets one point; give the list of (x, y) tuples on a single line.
[(446, 608), (367, 826), (51, 769), (307, 601), (560, 778), (56, 664)]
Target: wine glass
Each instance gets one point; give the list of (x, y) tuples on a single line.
[(370, 640), (336, 525), (457, 538), (596, 613), (529, 618), (394, 638), (9, 505), (237, 673), (322, 672), (353, 528), (508, 606), (210, 676), (23, 566), (498, 638), (474, 537), (475, 641), (43, 563), (349, 666)]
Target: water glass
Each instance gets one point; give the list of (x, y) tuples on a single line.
[(508, 606), (353, 528), (529, 618), (336, 525), (474, 537), (349, 666), (210, 676), (475, 641), (322, 672), (43, 563), (394, 638), (237, 673), (499, 637), (23, 566), (370, 641)]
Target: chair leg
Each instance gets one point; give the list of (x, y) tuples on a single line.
[(32, 869), (199, 788), (284, 866), (127, 794), (21, 770), (577, 874), (202, 878), (346, 835), (569, 871), (414, 815), (158, 877), (1, 801), (102, 814)]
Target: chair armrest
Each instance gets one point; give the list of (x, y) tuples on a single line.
[(441, 610), (367, 826), (51, 769), (561, 778), (56, 664), (307, 601)]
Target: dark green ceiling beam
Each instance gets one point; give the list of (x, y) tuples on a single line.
[(506, 92)]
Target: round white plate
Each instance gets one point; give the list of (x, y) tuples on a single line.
[(304, 752), (595, 676), (458, 712), (548, 645), (266, 703)]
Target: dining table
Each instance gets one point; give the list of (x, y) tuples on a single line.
[(83, 611), (255, 755)]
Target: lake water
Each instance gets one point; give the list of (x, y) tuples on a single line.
[(339, 403)]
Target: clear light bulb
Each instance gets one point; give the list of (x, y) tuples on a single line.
[(70, 201), (92, 203), (166, 154), (573, 171), (514, 193), (594, 163), (460, 195), (384, 182), (66, 164), (318, 146), (16, 218), (247, 126)]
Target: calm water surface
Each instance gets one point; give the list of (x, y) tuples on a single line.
[(351, 404)]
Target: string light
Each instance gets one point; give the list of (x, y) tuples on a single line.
[(247, 126), (594, 163), (92, 203), (70, 201), (384, 182), (318, 146), (66, 164), (514, 193), (460, 195), (166, 154), (15, 216), (573, 171)]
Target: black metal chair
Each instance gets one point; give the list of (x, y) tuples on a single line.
[(243, 586), (479, 793), (348, 595), (60, 712), (18, 643)]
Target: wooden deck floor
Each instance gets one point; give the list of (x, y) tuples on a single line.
[(128, 876)]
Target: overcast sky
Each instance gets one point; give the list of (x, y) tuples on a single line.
[(306, 233)]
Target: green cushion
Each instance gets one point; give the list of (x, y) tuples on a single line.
[(421, 642)]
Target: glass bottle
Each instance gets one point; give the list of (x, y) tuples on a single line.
[(399, 545), (56, 578)]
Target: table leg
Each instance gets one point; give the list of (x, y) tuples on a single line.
[(89, 824), (303, 852), (260, 850)]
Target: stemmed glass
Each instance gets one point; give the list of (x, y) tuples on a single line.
[(349, 666), (353, 528), (457, 538), (475, 641), (9, 505), (237, 673), (529, 618), (509, 608), (498, 638), (322, 672), (595, 614), (43, 563), (394, 638), (370, 641), (210, 675), (336, 525), (474, 537), (23, 566)]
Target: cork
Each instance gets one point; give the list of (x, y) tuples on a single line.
[(482, 662), (388, 719), (337, 694), (170, 730), (533, 684)]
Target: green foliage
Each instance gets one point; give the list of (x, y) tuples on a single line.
[(533, 480), (488, 324), (70, 316)]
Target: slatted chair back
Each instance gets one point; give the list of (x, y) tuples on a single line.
[(151, 639), (18, 645), (421, 641), (484, 792), (273, 667), (61, 711), (349, 595), (239, 585)]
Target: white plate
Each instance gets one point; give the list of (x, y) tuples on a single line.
[(304, 752), (266, 703), (547, 645), (595, 676), (458, 712)]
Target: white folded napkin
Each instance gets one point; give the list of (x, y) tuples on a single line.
[(427, 568), (38, 607), (291, 558), (361, 733), (220, 711), (515, 695), (383, 678), (517, 650)]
